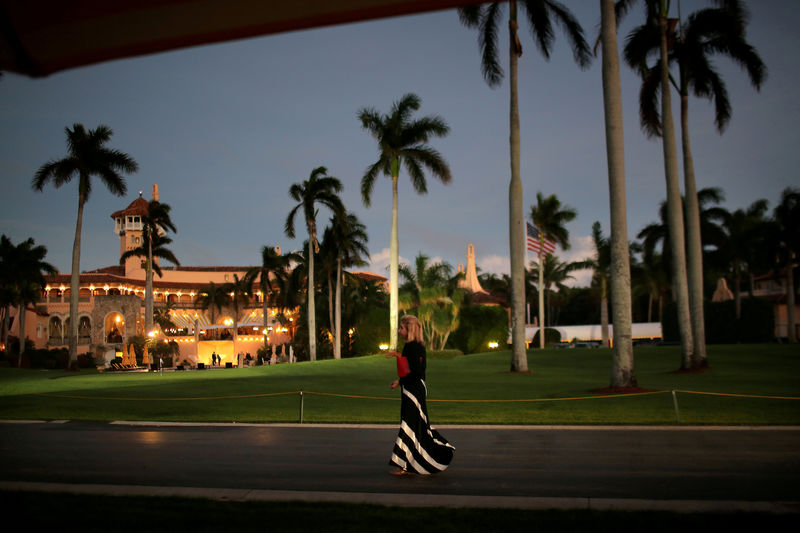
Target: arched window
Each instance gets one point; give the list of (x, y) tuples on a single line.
[(84, 330), (56, 331), (114, 330)]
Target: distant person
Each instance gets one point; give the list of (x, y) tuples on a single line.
[(419, 448)]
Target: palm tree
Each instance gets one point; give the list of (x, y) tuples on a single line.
[(601, 264), (486, 19), (708, 32), (622, 372), (710, 217), (213, 297), (88, 156), (273, 272), (743, 233), (319, 188), (350, 238), (240, 290), (554, 274), (550, 218), (429, 289), (402, 141), (657, 25), (651, 279), (787, 221), (155, 223), (23, 268)]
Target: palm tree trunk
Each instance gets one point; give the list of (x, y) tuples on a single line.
[(694, 245), (737, 294), (394, 252), (264, 310), (516, 222), (604, 317), (312, 320), (650, 308), (74, 286), (674, 209), (331, 311), (622, 367), (4, 314), (148, 300), (541, 295), (790, 327), (337, 335), (21, 322)]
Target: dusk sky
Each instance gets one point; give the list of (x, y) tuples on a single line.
[(226, 129)]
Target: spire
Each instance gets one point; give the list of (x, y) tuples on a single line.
[(155, 192), (470, 281)]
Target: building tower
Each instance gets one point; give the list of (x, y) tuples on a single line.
[(128, 224)]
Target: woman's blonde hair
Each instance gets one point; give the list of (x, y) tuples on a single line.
[(413, 328)]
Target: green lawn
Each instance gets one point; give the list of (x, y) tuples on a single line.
[(466, 389)]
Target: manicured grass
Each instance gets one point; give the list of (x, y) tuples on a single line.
[(466, 389), (108, 513)]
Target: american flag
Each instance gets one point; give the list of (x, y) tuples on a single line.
[(533, 241)]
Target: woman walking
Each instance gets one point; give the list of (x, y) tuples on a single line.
[(419, 448)]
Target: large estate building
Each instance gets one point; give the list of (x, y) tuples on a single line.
[(111, 307)]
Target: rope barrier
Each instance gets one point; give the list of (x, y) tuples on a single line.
[(239, 397), (383, 398), (739, 395)]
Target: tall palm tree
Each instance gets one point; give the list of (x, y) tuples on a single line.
[(350, 237), (155, 222), (23, 267), (787, 223), (486, 18), (322, 189), (708, 32), (88, 156), (273, 272), (550, 218), (402, 141), (657, 24), (601, 265), (213, 297), (622, 371)]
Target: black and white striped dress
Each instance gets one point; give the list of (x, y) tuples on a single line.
[(419, 448)]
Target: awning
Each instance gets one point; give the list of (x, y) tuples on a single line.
[(41, 37)]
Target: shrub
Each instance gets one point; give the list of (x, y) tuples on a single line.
[(551, 336), (480, 324), (370, 331)]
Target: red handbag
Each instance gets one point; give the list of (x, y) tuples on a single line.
[(402, 367)]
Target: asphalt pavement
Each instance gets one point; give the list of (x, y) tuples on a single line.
[(632, 468)]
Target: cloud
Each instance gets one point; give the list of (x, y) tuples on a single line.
[(582, 249), (497, 264), (379, 262)]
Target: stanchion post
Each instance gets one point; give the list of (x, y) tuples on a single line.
[(301, 406), (675, 403)]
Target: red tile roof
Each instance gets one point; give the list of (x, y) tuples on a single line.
[(137, 207)]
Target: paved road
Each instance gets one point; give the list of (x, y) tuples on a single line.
[(491, 464)]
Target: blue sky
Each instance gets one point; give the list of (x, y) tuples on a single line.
[(225, 130)]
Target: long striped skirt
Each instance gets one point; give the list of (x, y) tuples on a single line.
[(419, 448)]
